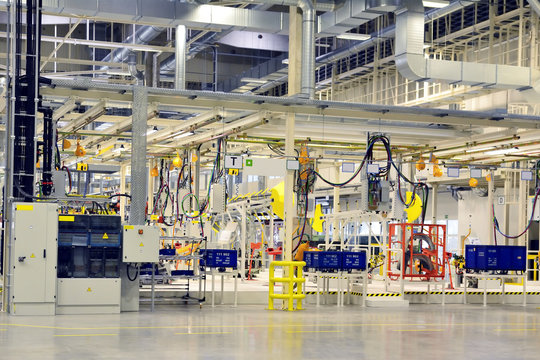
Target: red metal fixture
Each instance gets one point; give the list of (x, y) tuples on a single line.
[(424, 250)]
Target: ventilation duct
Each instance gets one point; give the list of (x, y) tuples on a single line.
[(413, 64), (354, 13), (143, 35)]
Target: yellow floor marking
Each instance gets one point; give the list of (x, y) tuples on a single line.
[(514, 330), (315, 331), (203, 333), (419, 330), (87, 335)]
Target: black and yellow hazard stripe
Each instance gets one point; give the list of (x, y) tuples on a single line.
[(425, 293)]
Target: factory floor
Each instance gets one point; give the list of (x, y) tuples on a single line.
[(250, 332)]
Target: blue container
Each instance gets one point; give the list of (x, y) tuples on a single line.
[(167, 252), (309, 259), (354, 260), (323, 260), (217, 258), (495, 257)]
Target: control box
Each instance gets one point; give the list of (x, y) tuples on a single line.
[(141, 244), (32, 279), (217, 199)]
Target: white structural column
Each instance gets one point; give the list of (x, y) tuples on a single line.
[(123, 173), (491, 191), (295, 38), (522, 211), (336, 206), (506, 209), (137, 214), (180, 56), (434, 201)]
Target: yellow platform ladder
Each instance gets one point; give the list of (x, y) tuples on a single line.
[(292, 294)]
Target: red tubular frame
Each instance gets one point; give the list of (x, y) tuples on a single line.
[(397, 239)]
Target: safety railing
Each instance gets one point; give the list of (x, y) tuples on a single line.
[(295, 277)]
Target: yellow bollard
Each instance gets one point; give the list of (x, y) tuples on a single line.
[(292, 295)]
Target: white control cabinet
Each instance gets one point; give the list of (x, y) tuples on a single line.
[(33, 259), (140, 244)]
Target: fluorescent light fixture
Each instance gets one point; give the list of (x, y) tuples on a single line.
[(151, 131), (527, 175), (347, 167), (103, 126), (118, 72), (354, 36), (503, 151), (479, 150), (119, 149), (435, 3), (452, 172), (253, 80), (183, 135), (475, 173)]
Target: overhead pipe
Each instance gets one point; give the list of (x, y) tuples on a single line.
[(412, 63), (132, 67), (180, 57), (535, 5), (143, 35)]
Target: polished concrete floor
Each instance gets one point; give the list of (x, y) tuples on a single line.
[(250, 332)]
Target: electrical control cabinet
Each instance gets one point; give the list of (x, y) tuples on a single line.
[(33, 259), (217, 199), (141, 244)]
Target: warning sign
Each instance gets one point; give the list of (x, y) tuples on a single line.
[(141, 245), (105, 236), (33, 256)]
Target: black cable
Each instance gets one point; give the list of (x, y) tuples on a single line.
[(136, 274), (115, 195)]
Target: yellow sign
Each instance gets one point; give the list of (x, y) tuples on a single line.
[(25, 207), (66, 218), (128, 227), (141, 245), (105, 236), (89, 290), (82, 167), (233, 172), (154, 217), (33, 256)]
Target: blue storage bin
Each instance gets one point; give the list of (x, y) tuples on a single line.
[(167, 252), (354, 260), (495, 257), (309, 259), (323, 260), (217, 258)]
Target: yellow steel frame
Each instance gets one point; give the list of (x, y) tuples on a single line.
[(292, 294)]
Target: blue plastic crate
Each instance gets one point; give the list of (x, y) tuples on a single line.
[(167, 252), (323, 260), (354, 260), (217, 258), (309, 259), (495, 257)]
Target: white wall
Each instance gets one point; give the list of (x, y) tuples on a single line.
[(476, 212)]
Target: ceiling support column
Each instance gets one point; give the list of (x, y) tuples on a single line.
[(295, 70)]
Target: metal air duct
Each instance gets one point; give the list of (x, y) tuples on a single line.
[(412, 63)]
